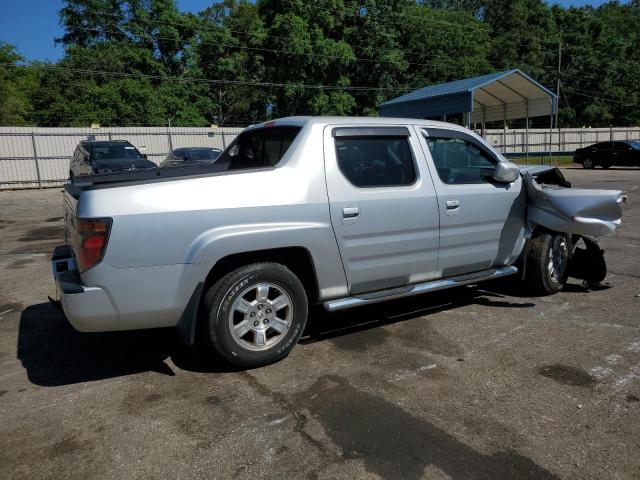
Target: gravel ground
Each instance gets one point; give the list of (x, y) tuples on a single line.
[(473, 383)]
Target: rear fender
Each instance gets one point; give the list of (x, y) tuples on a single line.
[(315, 237)]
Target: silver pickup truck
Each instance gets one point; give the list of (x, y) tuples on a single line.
[(335, 211)]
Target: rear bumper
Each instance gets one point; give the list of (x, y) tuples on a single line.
[(88, 309)]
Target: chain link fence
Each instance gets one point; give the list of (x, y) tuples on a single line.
[(39, 157)]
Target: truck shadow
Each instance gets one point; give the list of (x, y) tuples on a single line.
[(324, 326), (54, 354)]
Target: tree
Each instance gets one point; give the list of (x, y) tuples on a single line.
[(16, 87)]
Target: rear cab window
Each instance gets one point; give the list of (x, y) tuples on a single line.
[(259, 148), (375, 156)]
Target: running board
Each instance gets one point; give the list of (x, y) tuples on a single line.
[(410, 290)]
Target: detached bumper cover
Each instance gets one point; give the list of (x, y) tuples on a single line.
[(88, 309)]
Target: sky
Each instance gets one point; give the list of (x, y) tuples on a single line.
[(32, 25)]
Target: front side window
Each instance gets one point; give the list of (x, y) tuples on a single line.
[(376, 161), (258, 148), (459, 161)]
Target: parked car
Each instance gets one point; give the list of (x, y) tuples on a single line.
[(341, 212), (92, 157), (191, 156), (624, 153)]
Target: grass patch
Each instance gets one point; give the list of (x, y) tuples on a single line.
[(543, 160)]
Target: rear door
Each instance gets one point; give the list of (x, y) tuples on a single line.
[(622, 154), (482, 222), (383, 206), (604, 153)]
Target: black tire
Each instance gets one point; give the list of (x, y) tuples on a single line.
[(605, 165), (588, 164), (538, 274), (219, 305)]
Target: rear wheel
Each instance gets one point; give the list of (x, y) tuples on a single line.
[(605, 165), (548, 259), (255, 314), (588, 163)]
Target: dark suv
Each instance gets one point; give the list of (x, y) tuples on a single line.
[(624, 153), (107, 156)]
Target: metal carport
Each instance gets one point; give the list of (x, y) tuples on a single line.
[(499, 96)]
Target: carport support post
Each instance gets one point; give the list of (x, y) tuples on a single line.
[(527, 136), (504, 129), (551, 133), (35, 157)]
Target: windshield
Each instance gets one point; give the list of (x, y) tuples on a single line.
[(203, 154), (634, 144), (114, 152)]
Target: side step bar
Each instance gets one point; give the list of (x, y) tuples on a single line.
[(410, 290)]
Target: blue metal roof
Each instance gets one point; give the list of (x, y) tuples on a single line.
[(458, 86), (498, 96)]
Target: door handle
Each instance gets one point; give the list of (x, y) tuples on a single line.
[(453, 204), (350, 212)]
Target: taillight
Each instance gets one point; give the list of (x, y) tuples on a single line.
[(93, 234)]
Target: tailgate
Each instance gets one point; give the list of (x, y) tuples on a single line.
[(71, 196)]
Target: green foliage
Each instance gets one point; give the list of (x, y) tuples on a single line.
[(15, 88), (239, 62)]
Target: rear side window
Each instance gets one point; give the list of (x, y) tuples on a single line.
[(370, 161), (458, 161), (262, 147), (608, 146)]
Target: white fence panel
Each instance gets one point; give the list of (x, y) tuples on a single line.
[(35, 157)]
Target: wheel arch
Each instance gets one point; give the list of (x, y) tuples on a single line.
[(296, 258)]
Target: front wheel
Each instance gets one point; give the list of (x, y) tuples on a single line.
[(588, 163), (548, 258), (255, 314)]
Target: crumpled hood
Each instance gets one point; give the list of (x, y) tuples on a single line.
[(115, 165), (580, 211)]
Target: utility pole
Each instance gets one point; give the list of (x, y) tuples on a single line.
[(558, 81)]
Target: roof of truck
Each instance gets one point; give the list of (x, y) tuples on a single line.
[(302, 121)]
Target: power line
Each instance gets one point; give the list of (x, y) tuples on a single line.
[(601, 98), (204, 80)]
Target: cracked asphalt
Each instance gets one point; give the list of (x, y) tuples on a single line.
[(472, 383)]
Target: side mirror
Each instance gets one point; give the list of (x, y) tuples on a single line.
[(506, 172)]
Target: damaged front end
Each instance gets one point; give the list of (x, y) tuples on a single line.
[(580, 211), (585, 214)]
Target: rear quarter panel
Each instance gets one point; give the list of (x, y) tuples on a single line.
[(167, 236)]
